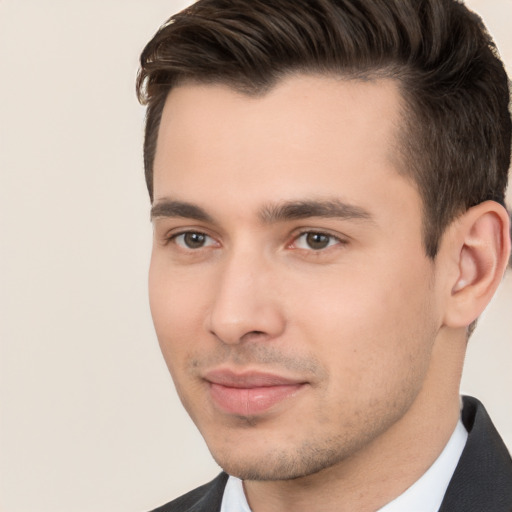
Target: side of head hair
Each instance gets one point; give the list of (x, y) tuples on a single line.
[(456, 135)]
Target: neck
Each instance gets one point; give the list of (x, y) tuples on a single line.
[(391, 463)]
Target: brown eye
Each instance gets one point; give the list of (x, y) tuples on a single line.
[(317, 241), (193, 240)]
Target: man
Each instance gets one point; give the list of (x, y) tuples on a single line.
[(327, 181)]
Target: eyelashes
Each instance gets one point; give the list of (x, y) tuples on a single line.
[(305, 240), (192, 240), (315, 241)]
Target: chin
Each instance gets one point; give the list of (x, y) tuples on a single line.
[(278, 464)]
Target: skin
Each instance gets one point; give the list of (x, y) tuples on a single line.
[(357, 316)]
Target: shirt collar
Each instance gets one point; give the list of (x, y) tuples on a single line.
[(425, 495)]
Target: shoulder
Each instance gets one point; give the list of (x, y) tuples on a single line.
[(207, 498)]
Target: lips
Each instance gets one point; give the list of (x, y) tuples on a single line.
[(249, 394)]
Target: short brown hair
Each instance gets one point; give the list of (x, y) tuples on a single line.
[(457, 131)]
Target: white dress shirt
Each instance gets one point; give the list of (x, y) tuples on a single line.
[(425, 495)]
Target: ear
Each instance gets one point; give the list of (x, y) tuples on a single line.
[(479, 247)]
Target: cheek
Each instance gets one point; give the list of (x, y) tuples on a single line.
[(372, 326), (176, 302)]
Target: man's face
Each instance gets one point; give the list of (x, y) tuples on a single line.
[(289, 287)]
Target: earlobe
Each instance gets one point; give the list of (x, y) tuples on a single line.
[(481, 241)]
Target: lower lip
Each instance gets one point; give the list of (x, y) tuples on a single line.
[(250, 401)]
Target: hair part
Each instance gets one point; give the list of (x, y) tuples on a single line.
[(456, 134)]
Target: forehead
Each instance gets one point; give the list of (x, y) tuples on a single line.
[(313, 135)]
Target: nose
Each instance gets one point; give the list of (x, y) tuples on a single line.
[(245, 304)]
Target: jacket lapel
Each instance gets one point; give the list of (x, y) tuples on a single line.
[(482, 480), (207, 498)]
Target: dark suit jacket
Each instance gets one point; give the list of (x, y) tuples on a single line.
[(482, 481)]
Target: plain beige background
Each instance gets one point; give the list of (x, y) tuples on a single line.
[(89, 418)]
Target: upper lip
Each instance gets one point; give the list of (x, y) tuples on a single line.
[(249, 379)]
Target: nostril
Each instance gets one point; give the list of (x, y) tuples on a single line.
[(253, 335), (240, 319)]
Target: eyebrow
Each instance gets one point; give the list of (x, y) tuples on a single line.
[(269, 214), (295, 210), (173, 208)]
